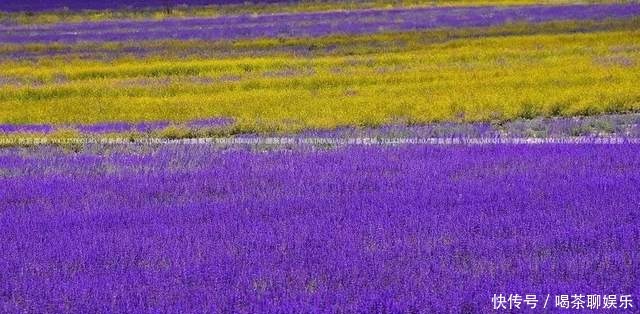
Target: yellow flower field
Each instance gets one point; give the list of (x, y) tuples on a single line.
[(493, 78)]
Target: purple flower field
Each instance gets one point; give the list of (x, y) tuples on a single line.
[(125, 229), (308, 24), (624, 126), (116, 127), (48, 5), (319, 156)]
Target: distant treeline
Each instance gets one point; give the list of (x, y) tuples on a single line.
[(76, 5)]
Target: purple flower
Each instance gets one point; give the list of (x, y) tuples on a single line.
[(50, 5), (308, 24), (25, 128), (188, 228)]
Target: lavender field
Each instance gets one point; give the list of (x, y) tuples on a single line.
[(313, 24), (367, 156), (50, 5), (358, 229)]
